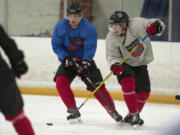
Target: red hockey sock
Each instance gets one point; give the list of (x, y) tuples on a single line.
[(21, 123), (141, 99), (107, 96), (128, 88), (63, 87)]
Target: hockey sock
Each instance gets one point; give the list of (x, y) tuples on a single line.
[(65, 92), (141, 99), (21, 123), (107, 96), (128, 88)]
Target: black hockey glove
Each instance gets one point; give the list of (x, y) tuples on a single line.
[(19, 66), (154, 28), (68, 62), (85, 65)]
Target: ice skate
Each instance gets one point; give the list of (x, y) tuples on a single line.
[(74, 116), (135, 120), (128, 119), (117, 117)]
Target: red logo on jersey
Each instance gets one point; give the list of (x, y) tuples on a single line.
[(139, 50), (75, 43)]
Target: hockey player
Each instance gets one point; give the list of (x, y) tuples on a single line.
[(75, 37), (11, 103), (132, 75)]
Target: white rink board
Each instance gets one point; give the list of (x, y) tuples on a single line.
[(164, 70)]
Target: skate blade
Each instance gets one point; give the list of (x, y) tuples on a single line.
[(74, 121), (120, 125), (128, 126), (136, 127)]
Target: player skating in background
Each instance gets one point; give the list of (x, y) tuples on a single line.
[(133, 74), (75, 37), (11, 103)]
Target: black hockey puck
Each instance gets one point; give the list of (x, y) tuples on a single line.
[(177, 97), (49, 124)]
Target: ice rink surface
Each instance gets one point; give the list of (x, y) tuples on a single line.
[(95, 120)]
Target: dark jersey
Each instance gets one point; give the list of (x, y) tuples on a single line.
[(10, 98)]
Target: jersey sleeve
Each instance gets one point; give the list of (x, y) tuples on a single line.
[(140, 24), (113, 53), (58, 43), (8, 45), (90, 44)]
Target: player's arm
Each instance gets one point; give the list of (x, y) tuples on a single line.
[(16, 56), (90, 45), (113, 54), (8, 44), (151, 26), (58, 43)]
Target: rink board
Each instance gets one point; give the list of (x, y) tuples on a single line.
[(164, 71), (154, 98)]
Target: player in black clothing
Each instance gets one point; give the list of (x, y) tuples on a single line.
[(11, 103)]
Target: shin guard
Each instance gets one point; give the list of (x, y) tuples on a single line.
[(65, 92), (128, 88), (21, 123), (141, 99)]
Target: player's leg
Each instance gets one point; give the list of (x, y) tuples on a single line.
[(63, 80), (102, 95), (21, 123), (11, 103), (65, 92), (141, 99), (127, 82), (142, 90), (142, 86)]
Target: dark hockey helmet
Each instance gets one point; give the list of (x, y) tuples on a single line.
[(74, 8), (119, 17)]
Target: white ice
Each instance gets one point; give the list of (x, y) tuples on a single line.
[(95, 120)]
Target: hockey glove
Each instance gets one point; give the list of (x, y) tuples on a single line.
[(85, 65), (154, 28), (68, 62), (19, 66), (116, 69)]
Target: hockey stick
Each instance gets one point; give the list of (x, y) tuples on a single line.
[(115, 115), (97, 88)]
